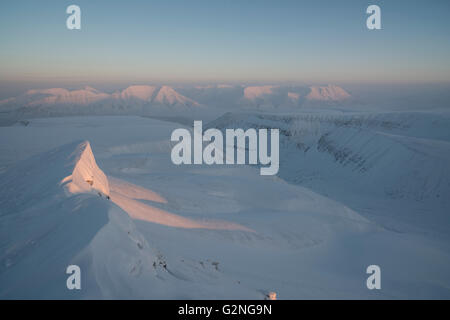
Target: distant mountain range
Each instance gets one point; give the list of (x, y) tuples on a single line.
[(164, 95), (285, 96), (143, 98)]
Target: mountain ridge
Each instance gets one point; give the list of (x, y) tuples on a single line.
[(151, 99), (161, 96)]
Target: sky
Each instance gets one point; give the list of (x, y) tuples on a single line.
[(224, 41)]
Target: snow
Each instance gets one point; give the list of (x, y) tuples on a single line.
[(152, 100), (355, 188), (84, 96), (86, 176), (125, 195), (141, 92), (133, 99), (328, 93), (293, 95), (168, 96), (130, 190), (252, 93), (271, 97), (387, 161)]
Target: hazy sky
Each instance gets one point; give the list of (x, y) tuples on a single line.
[(230, 40)]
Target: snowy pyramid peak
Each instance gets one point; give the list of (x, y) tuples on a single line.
[(168, 96), (86, 175)]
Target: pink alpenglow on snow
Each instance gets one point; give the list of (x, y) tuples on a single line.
[(168, 96), (328, 93), (62, 96), (165, 96), (123, 195), (141, 92), (87, 177), (252, 93)]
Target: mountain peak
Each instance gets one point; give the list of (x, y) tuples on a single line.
[(91, 89), (71, 166), (253, 92), (168, 96), (328, 93), (86, 175), (141, 92)]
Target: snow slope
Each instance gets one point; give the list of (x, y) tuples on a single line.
[(295, 242), (44, 229), (390, 163), (49, 223)]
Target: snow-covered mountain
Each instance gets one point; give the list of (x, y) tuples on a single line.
[(139, 92), (390, 160), (138, 99), (167, 96), (57, 203), (144, 99), (269, 97), (58, 208), (82, 97), (328, 93), (55, 96), (252, 93), (221, 232)]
